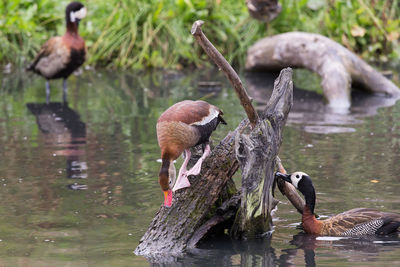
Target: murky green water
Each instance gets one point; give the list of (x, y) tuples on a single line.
[(78, 182)]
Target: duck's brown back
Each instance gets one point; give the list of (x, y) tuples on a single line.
[(357, 222)]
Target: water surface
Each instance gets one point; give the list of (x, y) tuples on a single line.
[(78, 180)]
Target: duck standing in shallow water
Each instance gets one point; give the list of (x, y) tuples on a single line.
[(60, 56), (182, 126), (355, 222)]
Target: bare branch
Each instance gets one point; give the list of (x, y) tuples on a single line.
[(227, 69)]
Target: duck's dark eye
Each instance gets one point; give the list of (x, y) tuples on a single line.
[(297, 176)]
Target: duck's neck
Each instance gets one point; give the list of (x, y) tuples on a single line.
[(309, 195), (310, 224), (163, 176), (167, 173), (72, 28)]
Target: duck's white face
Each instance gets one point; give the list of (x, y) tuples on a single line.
[(80, 14), (296, 177)]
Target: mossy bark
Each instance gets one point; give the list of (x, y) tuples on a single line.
[(256, 151)]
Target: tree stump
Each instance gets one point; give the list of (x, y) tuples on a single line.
[(195, 210), (179, 227), (256, 151)]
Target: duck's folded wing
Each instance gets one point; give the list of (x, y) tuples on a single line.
[(44, 51), (355, 222), (52, 58)]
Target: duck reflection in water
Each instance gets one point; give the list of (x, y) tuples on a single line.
[(64, 131)]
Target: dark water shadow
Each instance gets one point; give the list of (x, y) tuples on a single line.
[(65, 134), (309, 111)]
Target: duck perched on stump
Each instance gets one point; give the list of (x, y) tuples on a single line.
[(355, 222), (60, 56), (182, 126)]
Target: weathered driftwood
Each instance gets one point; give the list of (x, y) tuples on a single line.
[(337, 66), (264, 10), (256, 151)]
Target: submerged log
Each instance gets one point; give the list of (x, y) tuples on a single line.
[(337, 66)]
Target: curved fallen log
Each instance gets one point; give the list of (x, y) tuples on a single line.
[(337, 66)]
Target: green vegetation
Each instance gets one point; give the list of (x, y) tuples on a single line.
[(156, 33)]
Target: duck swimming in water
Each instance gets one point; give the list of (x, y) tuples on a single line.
[(355, 222)]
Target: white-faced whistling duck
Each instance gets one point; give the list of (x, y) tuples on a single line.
[(182, 126), (60, 56), (355, 222)]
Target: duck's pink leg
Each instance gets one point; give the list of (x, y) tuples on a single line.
[(195, 170), (182, 180)]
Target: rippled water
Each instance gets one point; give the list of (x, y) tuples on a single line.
[(78, 181)]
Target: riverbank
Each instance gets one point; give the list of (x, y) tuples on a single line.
[(153, 33)]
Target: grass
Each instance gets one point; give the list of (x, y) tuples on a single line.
[(156, 33)]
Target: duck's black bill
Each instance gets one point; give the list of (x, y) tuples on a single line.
[(285, 177)]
